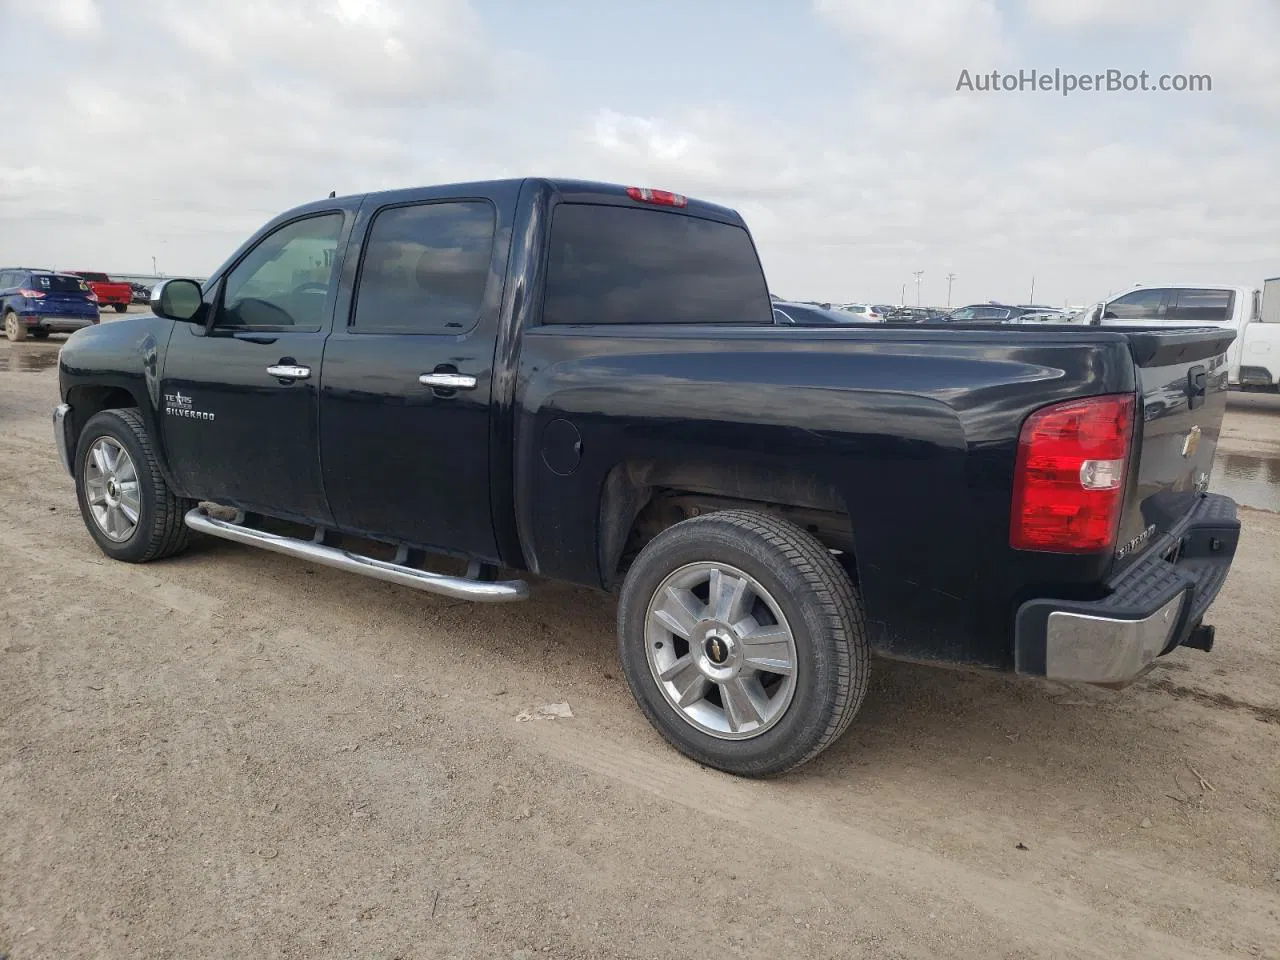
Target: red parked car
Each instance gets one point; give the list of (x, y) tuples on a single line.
[(109, 291)]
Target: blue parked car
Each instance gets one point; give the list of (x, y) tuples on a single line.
[(40, 302)]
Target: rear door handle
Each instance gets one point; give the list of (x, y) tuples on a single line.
[(448, 381), (289, 371)]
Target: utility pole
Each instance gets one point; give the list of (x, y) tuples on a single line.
[(950, 277), (1033, 289), (919, 275), (903, 300), (154, 272)]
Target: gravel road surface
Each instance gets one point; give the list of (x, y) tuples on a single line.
[(238, 755)]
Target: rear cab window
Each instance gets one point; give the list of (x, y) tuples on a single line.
[(623, 265), (1202, 306), (94, 277)]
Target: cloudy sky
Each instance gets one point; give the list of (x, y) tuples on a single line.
[(173, 128)]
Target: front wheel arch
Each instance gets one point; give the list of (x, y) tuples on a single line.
[(88, 399), (160, 529)]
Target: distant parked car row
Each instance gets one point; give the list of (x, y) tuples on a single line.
[(818, 313), (1004, 313)]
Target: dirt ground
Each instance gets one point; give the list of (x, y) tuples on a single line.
[(238, 755)]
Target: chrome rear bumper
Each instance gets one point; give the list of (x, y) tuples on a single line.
[(1105, 650), (1150, 608)]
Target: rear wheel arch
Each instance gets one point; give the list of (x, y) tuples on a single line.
[(759, 668), (641, 498)]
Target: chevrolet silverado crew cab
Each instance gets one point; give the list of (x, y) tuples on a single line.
[(584, 382)]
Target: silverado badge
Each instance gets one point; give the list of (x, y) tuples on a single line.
[(1191, 441)]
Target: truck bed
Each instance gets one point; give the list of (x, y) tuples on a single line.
[(898, 444)]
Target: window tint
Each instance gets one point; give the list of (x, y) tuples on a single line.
[(990, 313), (623, 265), (7, 279), (1139, 305), (95, 277), (964, 313), (1203, 306), (425, 268), (53, 283), (285, 279)]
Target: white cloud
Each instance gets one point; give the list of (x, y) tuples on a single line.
[(228, 111), (1236, 42), (68, 15), (917, 39), (1106, 13)]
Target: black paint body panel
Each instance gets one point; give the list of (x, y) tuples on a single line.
[(912, 430)]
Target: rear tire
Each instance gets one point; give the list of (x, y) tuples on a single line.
[(39, 333), (126, 503), (120, 307), (742, 639), (14, 328)]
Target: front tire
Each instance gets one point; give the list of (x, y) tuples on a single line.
[(120, 307), (126, 503), (742, 639), (39, 333), (14, 328)]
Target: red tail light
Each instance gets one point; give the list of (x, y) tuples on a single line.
[(1068, 485), (93, 297), (31, 294), (664, 198)]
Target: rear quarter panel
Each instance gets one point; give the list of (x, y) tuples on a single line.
[(914, 432)]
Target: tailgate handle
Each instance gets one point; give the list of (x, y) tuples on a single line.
[(1197, 386)]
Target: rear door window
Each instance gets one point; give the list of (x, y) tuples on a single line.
[(625, 265), (426, 268), (1202, 306)]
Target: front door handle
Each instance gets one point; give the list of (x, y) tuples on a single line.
[(448, 381), (289, 371)]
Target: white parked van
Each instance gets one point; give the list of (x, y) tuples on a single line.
[(1253, 358)]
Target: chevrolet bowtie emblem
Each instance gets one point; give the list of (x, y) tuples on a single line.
[(1191, 441)]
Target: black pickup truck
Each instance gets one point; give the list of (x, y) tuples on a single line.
[(585, 382)]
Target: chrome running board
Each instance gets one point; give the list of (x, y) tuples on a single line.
[(463, 588)]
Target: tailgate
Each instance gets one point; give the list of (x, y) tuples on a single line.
[(1183, 381)]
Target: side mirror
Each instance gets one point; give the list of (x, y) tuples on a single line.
[(177, 299)]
